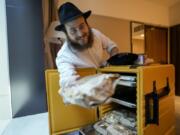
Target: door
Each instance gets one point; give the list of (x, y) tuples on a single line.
[(156, 40), (175, 53), (158, 115), (26, 60)]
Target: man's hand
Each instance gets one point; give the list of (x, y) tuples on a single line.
[(114, 51)]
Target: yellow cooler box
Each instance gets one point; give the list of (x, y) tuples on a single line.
[(151, 100)]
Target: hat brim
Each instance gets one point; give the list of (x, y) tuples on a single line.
[(85, 15)]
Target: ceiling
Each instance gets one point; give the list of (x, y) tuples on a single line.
[(167, 3)]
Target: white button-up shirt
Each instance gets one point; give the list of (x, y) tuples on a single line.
[(68, 59)]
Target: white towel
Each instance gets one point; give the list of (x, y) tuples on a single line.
[(89, 91)]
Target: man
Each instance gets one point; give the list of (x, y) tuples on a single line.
[(84, 47)]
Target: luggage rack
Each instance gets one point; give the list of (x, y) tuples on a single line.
[(125, 91), (124, 103)]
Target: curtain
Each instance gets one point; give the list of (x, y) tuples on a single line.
[(49, 8)]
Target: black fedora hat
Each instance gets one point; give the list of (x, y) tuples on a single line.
[(68, 12)]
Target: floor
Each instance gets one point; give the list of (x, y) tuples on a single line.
[(38, 124), (29, 125)]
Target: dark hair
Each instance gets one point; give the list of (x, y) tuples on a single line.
[(64, 29)]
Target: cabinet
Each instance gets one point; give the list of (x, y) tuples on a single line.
[(154, 101)]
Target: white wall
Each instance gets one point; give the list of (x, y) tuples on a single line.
[(143, 11), (116, 29), (5, 95), (174, 14)]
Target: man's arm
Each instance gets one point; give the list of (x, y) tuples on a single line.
[(68, 74)]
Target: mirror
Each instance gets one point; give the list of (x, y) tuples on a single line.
[(137, 41)]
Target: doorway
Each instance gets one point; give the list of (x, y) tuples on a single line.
[(150, 40)]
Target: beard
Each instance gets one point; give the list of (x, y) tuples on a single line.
[(78, 46)]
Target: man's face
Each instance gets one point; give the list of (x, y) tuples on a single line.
[(79, 34)]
